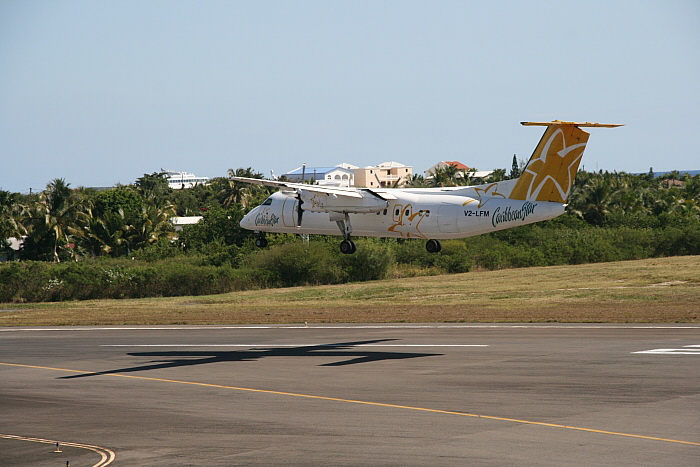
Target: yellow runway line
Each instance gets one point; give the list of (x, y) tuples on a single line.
[(376, 404)]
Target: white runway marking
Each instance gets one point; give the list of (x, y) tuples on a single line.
[(351, 326), (275, 346), (107, 456), (686, 350)]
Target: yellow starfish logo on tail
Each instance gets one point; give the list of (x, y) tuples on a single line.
[(485, 194), (550, 173)]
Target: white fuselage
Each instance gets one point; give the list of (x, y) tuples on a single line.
[(414, 213)]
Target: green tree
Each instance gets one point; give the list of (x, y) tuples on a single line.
[(245, 194), (498, 175), (416, 181), (51, 217), (447, 175), (217, 225), (193, 201), (122, 198), (102, 235), (151, 224), (593, 201), (515, 168), (11, 210), (154, 188)]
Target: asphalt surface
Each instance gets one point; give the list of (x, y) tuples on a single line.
[(351, 395)]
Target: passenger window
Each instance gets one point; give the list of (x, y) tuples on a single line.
[(397, 212)]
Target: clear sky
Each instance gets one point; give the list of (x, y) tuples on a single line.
[(101, 92)]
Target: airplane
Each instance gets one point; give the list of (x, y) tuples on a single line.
[(433, 214)]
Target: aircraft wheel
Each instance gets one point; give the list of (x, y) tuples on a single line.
[(261, 242), (433, 246), (348, 247)]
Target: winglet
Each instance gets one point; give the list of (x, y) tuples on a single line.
[(550, 172)]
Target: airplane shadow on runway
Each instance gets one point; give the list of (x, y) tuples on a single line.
[(177, 358)]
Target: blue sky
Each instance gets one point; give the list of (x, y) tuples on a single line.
[(103, 92)]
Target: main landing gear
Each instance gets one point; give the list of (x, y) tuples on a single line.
[(433, 246), (347, 246)]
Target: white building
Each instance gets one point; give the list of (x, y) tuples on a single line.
[(179, 180), (179, 222), (15, 246)]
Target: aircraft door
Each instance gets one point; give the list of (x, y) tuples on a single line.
[(447, 218), (289, 212)]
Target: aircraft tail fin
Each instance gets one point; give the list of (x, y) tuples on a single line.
[(550, 172)]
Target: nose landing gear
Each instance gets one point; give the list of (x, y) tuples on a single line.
[(260, 240)]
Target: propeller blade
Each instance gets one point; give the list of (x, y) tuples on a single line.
[(300, 210)]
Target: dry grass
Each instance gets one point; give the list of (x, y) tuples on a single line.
[(664, 290)]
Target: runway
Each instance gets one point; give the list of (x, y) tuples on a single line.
[(351, 395)]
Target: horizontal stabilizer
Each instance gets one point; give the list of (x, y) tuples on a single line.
[(578, 124)]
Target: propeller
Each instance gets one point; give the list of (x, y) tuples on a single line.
[(300, 210)]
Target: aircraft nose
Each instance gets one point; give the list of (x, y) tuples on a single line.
[(247, 221)]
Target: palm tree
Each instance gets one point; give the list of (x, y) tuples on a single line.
[(11, 211), (152, 224), (154, 188), (593, 201), (447, 175), (52, 215), (102, 235), (498, 175), (234, 192), (691, 188), (416, 181)]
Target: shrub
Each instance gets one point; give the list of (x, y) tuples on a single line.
[(27, 281), (294, 263), (413, 252), (373, 260), (453, 258), (162, 249), (36, 281)]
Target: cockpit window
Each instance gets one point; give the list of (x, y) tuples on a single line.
[(267, 202)]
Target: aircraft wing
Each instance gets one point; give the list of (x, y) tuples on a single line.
[(330, 199), (338, 191)]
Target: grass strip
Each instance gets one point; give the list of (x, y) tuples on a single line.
[(659, 290)]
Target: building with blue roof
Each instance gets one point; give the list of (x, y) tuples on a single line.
[(337, 175)]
